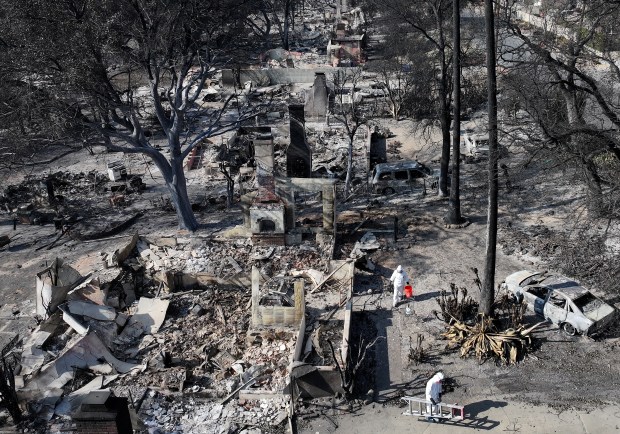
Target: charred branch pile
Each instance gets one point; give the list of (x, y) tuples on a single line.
[(61, 187), (485, 341)]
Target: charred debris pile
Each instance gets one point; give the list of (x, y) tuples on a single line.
[(167, 324)]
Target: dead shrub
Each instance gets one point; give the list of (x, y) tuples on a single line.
[(456, 305), (508, 311), (417, 353)]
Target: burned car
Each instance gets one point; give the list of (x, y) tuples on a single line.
[(475, 144), (403, 177), (562, 301)]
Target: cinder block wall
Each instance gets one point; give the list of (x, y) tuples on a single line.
[(97, 427)]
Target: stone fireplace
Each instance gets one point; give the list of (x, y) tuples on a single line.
[(266, 218), (267, 211)]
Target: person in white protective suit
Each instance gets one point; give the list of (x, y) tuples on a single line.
[(399, 278), (433, 394)]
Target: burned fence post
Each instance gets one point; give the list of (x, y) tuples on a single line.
[(256, 316), (49, 187), (300, 303)]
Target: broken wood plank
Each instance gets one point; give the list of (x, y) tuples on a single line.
[(174, 294), (356, 228), (50, 245), (334, 310), (220, 314), (329, 276), (234, 264), (234, 392), (113, 230), (107, 239)]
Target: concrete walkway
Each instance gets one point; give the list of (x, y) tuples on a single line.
[(503, 418), (487, 411)]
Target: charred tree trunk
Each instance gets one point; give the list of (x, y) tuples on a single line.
[(444, 108), (594, 179), (445, 135), (230, 185), (51, 197), (347, 182), (267, 29), (454, 205), (287, 23), (394, 103), (487, 295), (293, 15), (177, 186)]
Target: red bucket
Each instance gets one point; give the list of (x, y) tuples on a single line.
[(408, 291)]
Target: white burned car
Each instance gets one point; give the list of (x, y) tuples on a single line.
[(562, 301)]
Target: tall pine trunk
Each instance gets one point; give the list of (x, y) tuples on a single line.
[(488, 280), (444, 116), (454, 204), (444, 105)]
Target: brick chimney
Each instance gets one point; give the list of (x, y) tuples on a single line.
[(298, 154)]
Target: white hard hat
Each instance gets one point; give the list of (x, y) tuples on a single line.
[(399, 268), (439, 376)]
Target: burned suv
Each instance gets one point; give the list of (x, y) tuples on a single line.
[(401, 177)]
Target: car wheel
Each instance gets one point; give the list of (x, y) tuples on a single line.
[(388, 190), (569, 329)]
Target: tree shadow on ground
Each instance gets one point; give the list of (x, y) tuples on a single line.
[(397, 391)]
